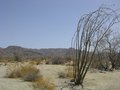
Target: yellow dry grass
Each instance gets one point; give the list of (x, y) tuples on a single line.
[(69, 72), (21, 71), (43, 84)]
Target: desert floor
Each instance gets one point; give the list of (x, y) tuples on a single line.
[(93, 81)]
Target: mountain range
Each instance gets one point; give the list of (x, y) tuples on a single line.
[(10, 51)]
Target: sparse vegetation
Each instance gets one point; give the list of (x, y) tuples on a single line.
[(28, 72)]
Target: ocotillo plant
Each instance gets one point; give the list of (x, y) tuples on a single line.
[(91, 29)]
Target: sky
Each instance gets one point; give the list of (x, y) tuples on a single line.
[(44, 23)]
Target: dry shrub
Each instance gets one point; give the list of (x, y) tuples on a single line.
[(42, 83), (12, 70), (61, 74), (27, 72), (69, 72), (57, 60), (47, 62), (69, 63), (33, 62)]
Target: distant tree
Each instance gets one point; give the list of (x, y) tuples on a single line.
[(91, 29)]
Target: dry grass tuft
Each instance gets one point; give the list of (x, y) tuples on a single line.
[(12, 70), (27, 72), (35, 62), (69, 72), (42, 83), (62, 75)]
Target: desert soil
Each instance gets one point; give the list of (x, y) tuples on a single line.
[(94, 80)]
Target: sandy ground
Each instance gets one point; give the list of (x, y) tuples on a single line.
[(93, 81)]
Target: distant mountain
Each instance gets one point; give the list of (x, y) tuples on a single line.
[(24, 53)]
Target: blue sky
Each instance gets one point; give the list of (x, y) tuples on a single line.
[(43, 23)]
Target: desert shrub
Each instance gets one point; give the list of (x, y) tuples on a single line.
[(61, 74), (27, 72), (58, 60), (12, 70), (38, 62), (69, 72), (34, 62), (47, 62), (69, 63), (42, 83)]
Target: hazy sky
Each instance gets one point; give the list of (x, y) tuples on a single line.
[(43, 23)]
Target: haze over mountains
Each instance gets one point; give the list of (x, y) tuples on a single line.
[(34, 53)]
